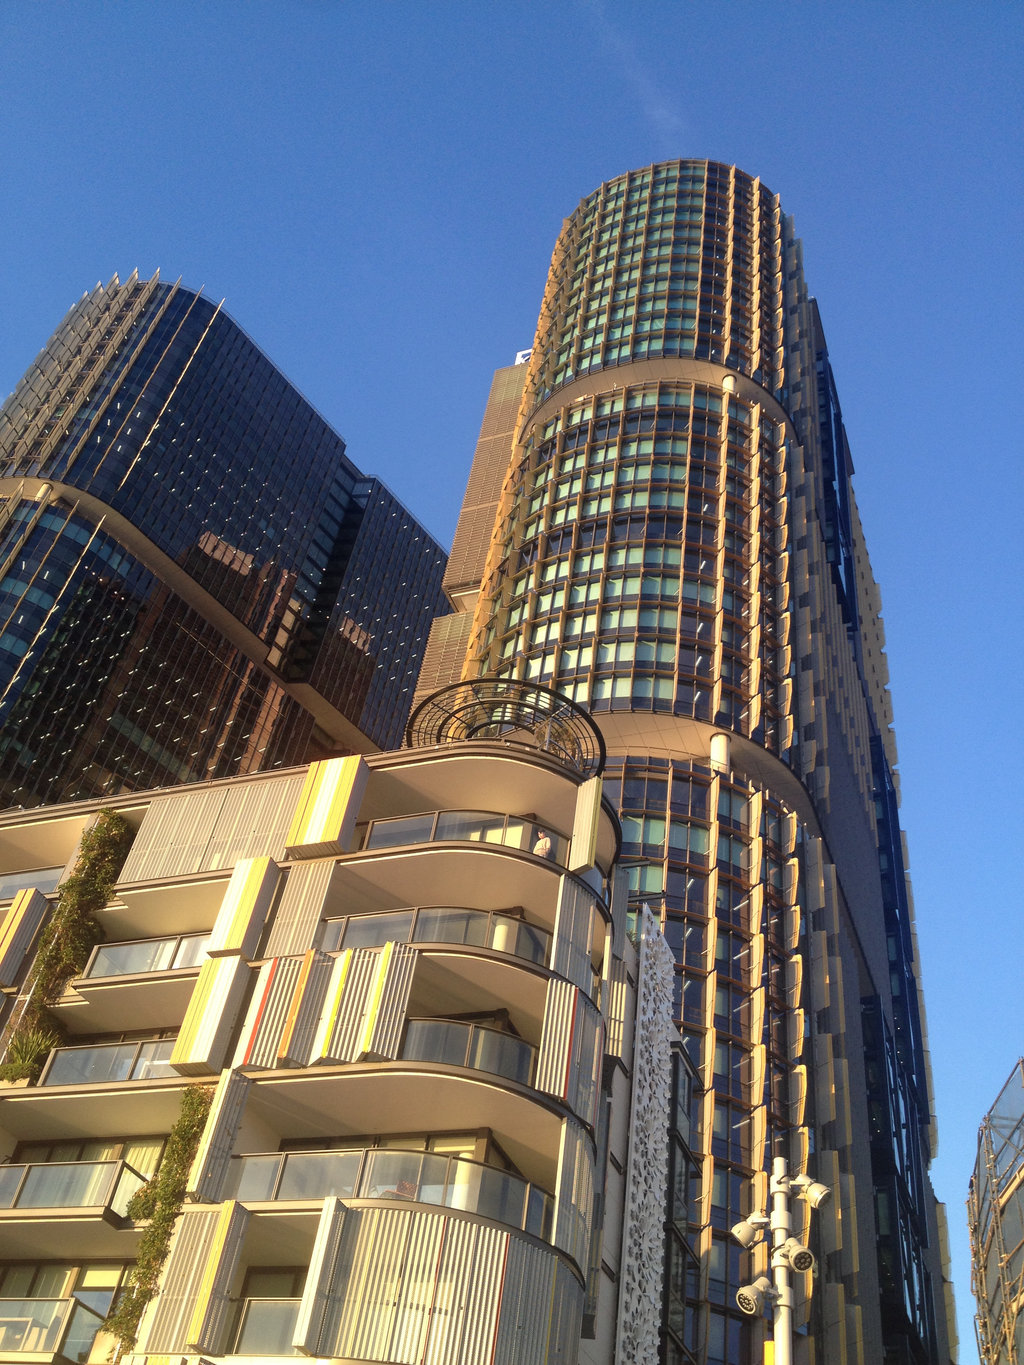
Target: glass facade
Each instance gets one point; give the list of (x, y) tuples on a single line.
[(676, 547), (194, 579)]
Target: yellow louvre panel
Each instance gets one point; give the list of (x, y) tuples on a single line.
[(572, 939), (583, 849), (165, 1324), (790, 879), (855, 1332), (212, 1013), (791, 928), (17, 931), (711, 945), (795, 1034), (269, 1003), (300, 1024), (755, 913), (758, 1133), (844, 1184), (800, 1143), (819, 982), (217, 1143), (325, 816), (213, 1303), (829, 1219), (309, 1321), (824, 1080), (757, 1001), (758, 1057), (244, 909), (387, 1002), (756, 965)]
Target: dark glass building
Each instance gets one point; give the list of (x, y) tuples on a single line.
[(660, 523), (195, 581)]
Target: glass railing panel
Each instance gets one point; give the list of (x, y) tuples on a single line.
[(446, 924), (539, 1213), (153, 1060), (67, 1185), (436, 1040), (129, 1182), (501, 1054), (254, 1177), (267, 1327), (414, 829), (522, 940), (315, 1175), (477, 826), (191, 951), (370, 931), (42, 879), (32, 1325), (10, 1179), (131, 959), (85, 1324), (91, 1065), (404, 1175)]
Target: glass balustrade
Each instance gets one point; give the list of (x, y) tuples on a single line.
[(41, 1327), (109, 1062), (147, 955), (267, 1327), (381, 1173), (32, 1325), (475, 1045), (42, 879), (472, 826), (441, 924), (69, 1185)]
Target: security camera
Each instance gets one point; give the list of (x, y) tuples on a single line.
[(797, 1255), (752, 1296), (749, 1230), (816, 1194)]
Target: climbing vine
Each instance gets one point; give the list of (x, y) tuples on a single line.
[(160, 1200), (66, 942)]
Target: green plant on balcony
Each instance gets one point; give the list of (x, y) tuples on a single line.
[(28, 1050), (73, 930), (66, 942), (160, 1200)]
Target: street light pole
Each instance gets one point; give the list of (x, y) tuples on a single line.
[(781, 1229)]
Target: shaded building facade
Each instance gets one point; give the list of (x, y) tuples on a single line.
[(195, 580), (995, 1216), (660, 523), (431, 1053)]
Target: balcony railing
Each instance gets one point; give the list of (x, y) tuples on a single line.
[(41, 1327), (69, 1185), (453, 1182), (43, 879), (479, 1046), (442, 924), (146, 955), (109, 1062), (266, 1328), (472, 826)]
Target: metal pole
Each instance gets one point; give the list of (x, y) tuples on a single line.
[(782, 1317)]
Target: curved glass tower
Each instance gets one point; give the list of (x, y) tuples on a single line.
[(660, 524), (195, 581)]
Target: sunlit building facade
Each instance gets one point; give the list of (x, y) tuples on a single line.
[(995, 1214), (432, 1053), (660, 523), (195, 581)]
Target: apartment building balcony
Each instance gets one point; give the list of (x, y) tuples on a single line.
[(44, 1205), (377, 1173), (42, 879), (52, 1332), (148, 981)]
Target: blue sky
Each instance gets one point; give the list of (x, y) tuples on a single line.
[(375, 189)]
